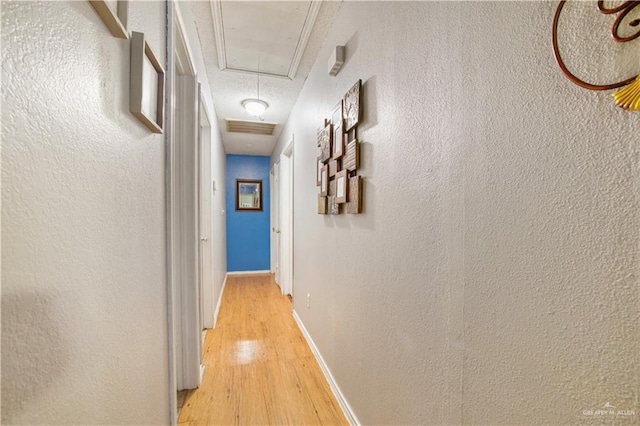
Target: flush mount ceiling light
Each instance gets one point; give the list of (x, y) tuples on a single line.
[(255, 107)]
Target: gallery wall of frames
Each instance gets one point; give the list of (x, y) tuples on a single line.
[(339, 159)]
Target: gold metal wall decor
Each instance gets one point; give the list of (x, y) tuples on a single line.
[(628, 97), (339, 160)]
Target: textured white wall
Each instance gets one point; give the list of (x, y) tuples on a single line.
[(218, 155), (84, 297), (493, 277)]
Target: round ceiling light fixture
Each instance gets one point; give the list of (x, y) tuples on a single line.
[(255, 107)]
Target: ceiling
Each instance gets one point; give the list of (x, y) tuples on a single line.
[(281, 39)]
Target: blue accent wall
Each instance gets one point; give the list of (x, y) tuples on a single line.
[(248, 244)]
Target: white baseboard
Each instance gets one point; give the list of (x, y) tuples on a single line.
[(266, 271), (217, 311), (202, 367), (346, 408)]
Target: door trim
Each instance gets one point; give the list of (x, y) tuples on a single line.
[(206, 212), (189, 328), (286, 225), (275, 221), (170, 220), (182, 341)]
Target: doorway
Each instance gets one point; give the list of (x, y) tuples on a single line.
[(205, 220), (284, 239), (183, 204)]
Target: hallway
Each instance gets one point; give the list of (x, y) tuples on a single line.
[(259, 368)]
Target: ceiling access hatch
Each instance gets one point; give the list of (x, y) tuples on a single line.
[(268, 37), (251, 127)]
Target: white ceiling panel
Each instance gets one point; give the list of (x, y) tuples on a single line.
[(263, 36)]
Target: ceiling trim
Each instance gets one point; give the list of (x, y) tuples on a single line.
[(309, 22), (218, 28)]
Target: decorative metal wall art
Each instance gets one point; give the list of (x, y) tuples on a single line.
[(628, 97), (351, 108), (355, 195), (324, 142), (337, 165)]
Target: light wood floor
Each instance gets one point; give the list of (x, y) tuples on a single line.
[(259, 368)]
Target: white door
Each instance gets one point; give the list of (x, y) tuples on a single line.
[(286, 220), (205, 190)]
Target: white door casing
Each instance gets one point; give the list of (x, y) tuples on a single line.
[(286, 219), (183, 238), (188, 239), (206, 238), (275, 229), (272, 242)]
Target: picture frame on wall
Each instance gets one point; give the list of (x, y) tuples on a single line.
[(338, 141), (319, 165), (336, 114), (114, 14), (342, 186), (248, 195), (146, 96), (324, 181)]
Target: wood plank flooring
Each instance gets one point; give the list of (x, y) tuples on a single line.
[(259, 368)]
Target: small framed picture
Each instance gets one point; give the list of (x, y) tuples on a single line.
[(324, 181), (319, 165), (338, 141), (146, 97), (342, 186), (336, 115), (114, 15), (248, 195)]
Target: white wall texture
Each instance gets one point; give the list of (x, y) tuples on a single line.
[(84, 302), (218, 156), (493, 276)]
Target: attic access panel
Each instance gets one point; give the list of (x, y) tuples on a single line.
[(269, 37)]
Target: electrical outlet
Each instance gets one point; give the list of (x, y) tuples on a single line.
[(308, 301)]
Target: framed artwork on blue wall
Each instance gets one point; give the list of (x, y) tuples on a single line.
[(248, 195)]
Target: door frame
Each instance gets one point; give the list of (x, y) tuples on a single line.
[(285, 221), (207, 302), (182, 298), (275, 221)]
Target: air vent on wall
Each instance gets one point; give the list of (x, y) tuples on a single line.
[(251, 127)]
